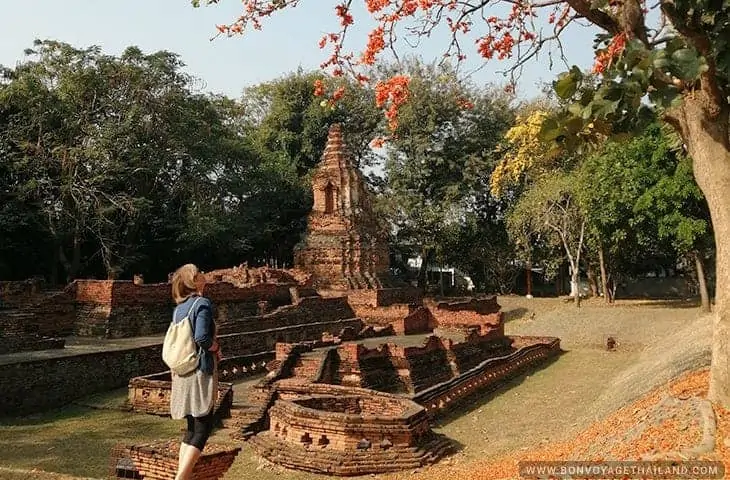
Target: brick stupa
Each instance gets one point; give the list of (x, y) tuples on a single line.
[(345, 246)]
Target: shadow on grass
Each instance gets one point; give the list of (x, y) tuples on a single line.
[(477, 400), (655, 302), (456, 446), (515, 314)]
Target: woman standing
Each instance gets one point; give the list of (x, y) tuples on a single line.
[(194, 395)]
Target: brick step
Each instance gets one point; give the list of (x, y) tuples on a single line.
[(245, 419), (308, 365), (321, 460)]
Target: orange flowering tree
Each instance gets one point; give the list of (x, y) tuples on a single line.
[(669, 55)]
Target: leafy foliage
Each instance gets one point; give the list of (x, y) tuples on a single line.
[(439, 157)]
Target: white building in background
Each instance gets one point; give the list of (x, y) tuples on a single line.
[(453, 276)]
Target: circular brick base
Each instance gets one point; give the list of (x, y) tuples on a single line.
[(349, 431)]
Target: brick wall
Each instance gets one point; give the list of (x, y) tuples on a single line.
[(389, 315), (266, 340), (18, 292), (39, 322), (308, 310), (41, 384), (419, 320), (158, 461), (151, 394), (117, 309), (483, 306), (384, 297), (94, 291), (482, 314), (53, 314), (397, 369)]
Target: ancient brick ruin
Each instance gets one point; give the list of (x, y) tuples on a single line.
[(32, 318), (335, 399), (347, 431), (333, 409), (344, 247)]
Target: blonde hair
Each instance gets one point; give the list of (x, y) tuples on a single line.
[(183, 282)]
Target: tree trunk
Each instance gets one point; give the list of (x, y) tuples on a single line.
[(573, 282), (528, 279), (607, 297), (574, 286), (423, 271), (702, 283), (75, 256), (54, 265), (68, 269), (560, 280), (441, 279), (704, 128), (592, 281)]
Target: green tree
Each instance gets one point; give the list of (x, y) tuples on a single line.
[(642, 205), (437, 158), (289, 120), (117, 155), (550, 211), (675, 206)]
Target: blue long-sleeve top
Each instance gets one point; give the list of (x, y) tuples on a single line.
[(201, 318)]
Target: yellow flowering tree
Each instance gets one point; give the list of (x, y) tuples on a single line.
[(524, 151)]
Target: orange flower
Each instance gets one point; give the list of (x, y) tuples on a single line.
[(377, 142), (376, 5), (394, 92), (338, 93), (376, 44), (318, 88), (605, 58), (344, 13)]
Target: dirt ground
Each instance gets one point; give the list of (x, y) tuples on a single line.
[(656, 341)]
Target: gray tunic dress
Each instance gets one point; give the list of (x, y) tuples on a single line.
[(197, 392), (193, 394)]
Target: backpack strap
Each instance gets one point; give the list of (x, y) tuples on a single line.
[(189, 311), (193, 306)]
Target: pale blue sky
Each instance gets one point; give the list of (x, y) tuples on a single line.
[(287, 41)]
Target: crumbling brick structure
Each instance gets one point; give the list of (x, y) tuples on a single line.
[(158, 461), (346, 431), (344, 247), (481, 315)]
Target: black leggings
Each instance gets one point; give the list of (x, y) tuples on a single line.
[(199, 430)]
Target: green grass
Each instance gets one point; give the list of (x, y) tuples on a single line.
[(76, 440)]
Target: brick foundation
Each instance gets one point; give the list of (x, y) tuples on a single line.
[(345, 431), (158, 461)]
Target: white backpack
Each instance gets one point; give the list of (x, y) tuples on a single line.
[(179, 350)]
